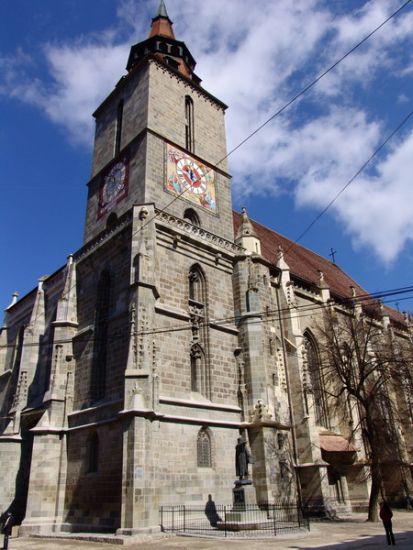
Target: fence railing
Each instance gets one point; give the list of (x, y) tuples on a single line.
[(226, 520), (332, 508)]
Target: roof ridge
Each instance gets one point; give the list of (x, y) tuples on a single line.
[(315, 256), (293, 243)]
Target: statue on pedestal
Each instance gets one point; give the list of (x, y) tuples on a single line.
[(242, 458)]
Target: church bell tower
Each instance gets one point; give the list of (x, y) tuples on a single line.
[(160, 138)]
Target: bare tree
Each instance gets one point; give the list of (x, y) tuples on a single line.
[(362, 360)]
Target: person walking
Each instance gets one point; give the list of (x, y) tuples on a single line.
[(385, 515)]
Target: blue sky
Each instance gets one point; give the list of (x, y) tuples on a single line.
[(58, 60)]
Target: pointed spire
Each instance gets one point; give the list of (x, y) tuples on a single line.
[(358, 310), (322, 281), (281, 263), (161, 24), (162, 12), (324, 288), (246, 228), (66, 306), (15, 295), (246, 236), (385, 317), (162, 44)]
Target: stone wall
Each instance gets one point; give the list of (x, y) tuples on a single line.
[(93, 498), (154, 112), (113, 257)]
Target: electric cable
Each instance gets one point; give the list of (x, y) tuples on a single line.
[(290, 102), (351, 180), (266, 316), (286, 105)]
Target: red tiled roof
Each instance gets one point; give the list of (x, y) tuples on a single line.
[(306, 265)]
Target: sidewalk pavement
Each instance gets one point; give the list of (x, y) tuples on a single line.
[(352, 534)]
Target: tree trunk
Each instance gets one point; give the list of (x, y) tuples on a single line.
[(375, 490)]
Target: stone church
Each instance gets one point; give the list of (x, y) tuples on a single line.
[(127, 376)]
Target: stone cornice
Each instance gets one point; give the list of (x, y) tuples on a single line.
[(223, 328), (103, 237), (195, 232), (151, 59), (172, 312), (199, 404)]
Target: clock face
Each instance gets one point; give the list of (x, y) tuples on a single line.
[(114, 182), (114, 187), (191, 176), (190, 179)]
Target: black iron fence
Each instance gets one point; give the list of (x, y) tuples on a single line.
[(224, 520), (332, 508)]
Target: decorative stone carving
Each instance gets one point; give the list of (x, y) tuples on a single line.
[(198, 232), (260, 412), (144, 213)]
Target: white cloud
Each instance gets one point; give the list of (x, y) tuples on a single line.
[(255, 56), (83, 75), (403, 98), (378, 210)]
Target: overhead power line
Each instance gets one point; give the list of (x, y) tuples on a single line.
[(351, 180), (286, 105), (316, 80), (284, 108), (267, 316)]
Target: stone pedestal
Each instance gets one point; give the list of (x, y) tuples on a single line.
[(243, 495), (245, 514)]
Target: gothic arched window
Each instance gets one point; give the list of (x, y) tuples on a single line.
[(198, 370), (199, 364), (204, 449), (197, 290), (98, 378), (316, 380), (189, 124), (192, 217)]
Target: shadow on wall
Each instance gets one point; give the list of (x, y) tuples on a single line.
[(211, 512), (94, 487), (18, 505)]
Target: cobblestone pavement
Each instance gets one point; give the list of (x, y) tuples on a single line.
[(351, 534)]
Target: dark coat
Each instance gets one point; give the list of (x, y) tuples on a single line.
[(242, 459), (385, 513)]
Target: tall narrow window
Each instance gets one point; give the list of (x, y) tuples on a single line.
[(203, 447), (198, 370), (98, 378), (189, 124), (119, 121), (316, 381), (92, 453), (197, 285), (199, 364)]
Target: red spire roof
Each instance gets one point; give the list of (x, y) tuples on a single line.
[(161, 24)]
